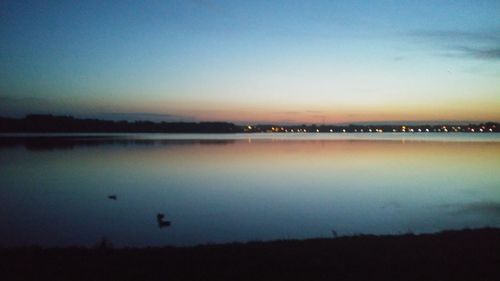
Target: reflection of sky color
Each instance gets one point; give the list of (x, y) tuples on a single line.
[(241, 190), (279, 61)]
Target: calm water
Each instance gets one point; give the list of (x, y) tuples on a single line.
[(218, 188)]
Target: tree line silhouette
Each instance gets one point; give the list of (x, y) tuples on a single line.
[(37, 123), (68, 124)]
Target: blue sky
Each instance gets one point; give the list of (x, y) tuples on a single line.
[(252, 61)]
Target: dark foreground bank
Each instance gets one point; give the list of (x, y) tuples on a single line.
[(449, 255)]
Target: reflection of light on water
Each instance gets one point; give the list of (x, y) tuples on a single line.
[(228, 188)]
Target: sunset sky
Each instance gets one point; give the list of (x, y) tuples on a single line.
[(252, 61)]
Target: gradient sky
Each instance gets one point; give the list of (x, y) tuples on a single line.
[(252, 61)]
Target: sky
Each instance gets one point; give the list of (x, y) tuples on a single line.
[(256, 61)]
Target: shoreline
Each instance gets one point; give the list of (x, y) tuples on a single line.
[(468, 254)]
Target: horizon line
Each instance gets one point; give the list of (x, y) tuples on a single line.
[(275, 123)]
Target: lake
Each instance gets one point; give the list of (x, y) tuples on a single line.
[(54, 189)]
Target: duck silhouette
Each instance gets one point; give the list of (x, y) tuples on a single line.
[(160, 218), (112, 197)]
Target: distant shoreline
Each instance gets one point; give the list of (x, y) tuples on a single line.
[(448, 255), (68, 124)]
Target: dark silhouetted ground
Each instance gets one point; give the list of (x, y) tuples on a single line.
[(450, 255)]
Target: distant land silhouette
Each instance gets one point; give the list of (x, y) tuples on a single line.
[(36, 123)]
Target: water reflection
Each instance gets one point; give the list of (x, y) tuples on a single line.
[(482, 208), (71, 142), (219, 190)]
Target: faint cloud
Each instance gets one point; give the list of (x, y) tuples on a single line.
[(142, 116), (491, 53), (483, 45), (448, 35), (313, 111), (288, 112), (308, 112)]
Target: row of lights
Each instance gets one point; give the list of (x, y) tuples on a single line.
[(404, 129)]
